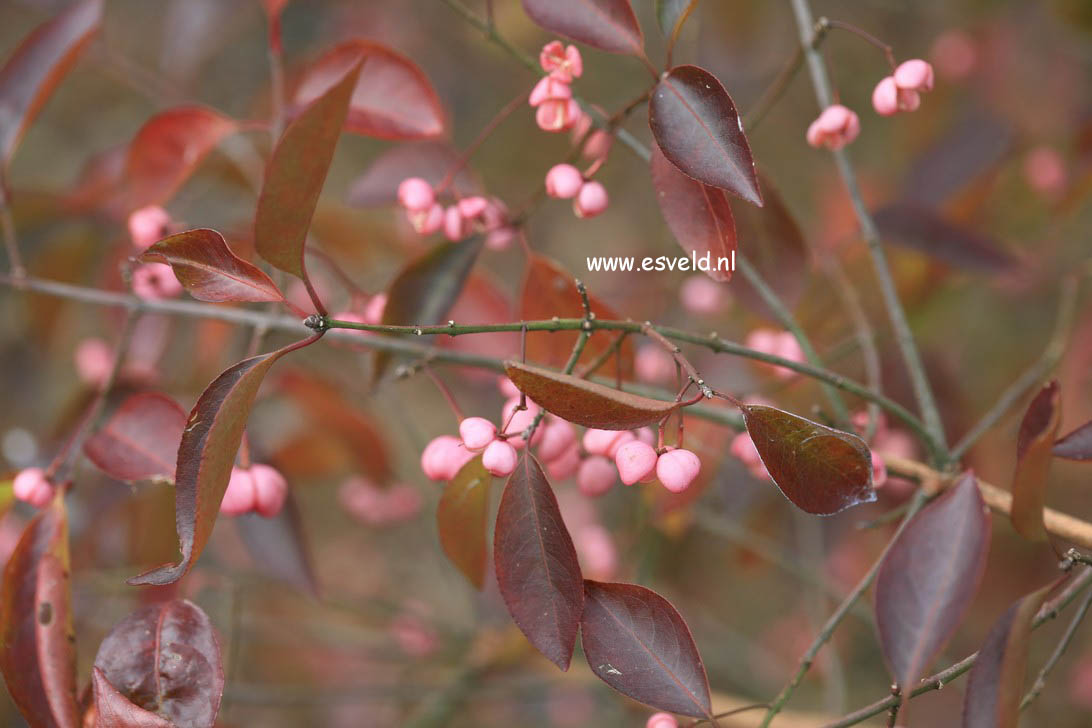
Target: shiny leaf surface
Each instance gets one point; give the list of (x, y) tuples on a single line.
[(114, 710), (206, 267), (463, 520), (608, 25)]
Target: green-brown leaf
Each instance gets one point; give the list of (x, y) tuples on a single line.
[(209, 270), (462, 518), (1034, 454)]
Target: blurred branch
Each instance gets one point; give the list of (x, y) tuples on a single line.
[(7, 229), (1063, 644)]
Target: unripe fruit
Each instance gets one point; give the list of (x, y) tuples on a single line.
[(677, 469), (500, 458), (477, 433), (595, 476), (591, 200), (270, 489), (240, 497), (563, 181), (636, 461), (416, 194), (373, 311)]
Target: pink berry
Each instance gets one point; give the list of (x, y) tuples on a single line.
[(549, 89), (31, 486), (624, 437), (518, 421), (914, 75), (373, 311), (472, 207), (662, 720), (500, 458), (558, 436), (557, 114), (1044, 170), (428, 220), (564, 465), (148, 225), (954, 54), (500, 239), (155, 282), (415, 637), (506, 387), (443, 457), (701, 294), (597, 552), (889, 99), (600, 442), (879, 470), (563, 181), (743, 447), (455, 225), (401, 503), (94, 360), (477, 432), (788, 347), (598, 145), (595, 476), (592, 200), (363, 500), (677, 469), (645, 435), (416, 194), (270, 489), (654, 365), (240, 496), (565, 64), (636, 461), (836, 127)]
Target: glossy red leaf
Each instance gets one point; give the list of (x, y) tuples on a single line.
[(608, 25), (278, 546), (430, 160), (463, 520), (537, 570), (637, 642), (1077, 445), (167, 150), (925, 230), (38, 65), (586, 403), (393, 99), (696, 124), (929, 578), (996, 681), (140, 440), (296, 173), (1034, 446), (549, 290), (206, 455), (165, 658), (206, 267), (114, 710), (820, 469), (697, 214), (424, 291), (37, 643)]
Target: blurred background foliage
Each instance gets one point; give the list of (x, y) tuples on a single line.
[(1002, 147)]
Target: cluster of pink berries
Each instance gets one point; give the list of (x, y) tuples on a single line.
[(32, 486), (566, 182), (552, 97), (662, 720), (838, 125), (259, 488), (152, 281), (459, 220)]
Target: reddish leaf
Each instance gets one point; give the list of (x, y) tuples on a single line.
[(140, 440), (636, 642), (698, 215), (928, 579), (206, 456), (424, 291), (393, 98), (922, 229), (206, 267), (462, 518), (37, 66), (37, 643), (696, 125), (295, 175), (996, 681), (820, 469), (100, 183), (165, 659), (1077, 445), (278, 546), (1034, 454), (608, 25), (586, 403), (548, 291), (430, 161), (537, 571), (113, 710), (167, 150)]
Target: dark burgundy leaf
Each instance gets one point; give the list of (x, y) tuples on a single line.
[(1077, 445), (996, 681), (1034, 454), (278, 546), (206, 455), (424, 291), (392, 99), (928, 579), (820, 469), (463, 520), (537, 570), (38, 65), (636, 642), (584, 402), (923, 229), (430, 161), (698, 215), (140, 440), (295, 175), (114, 710), (165, 658), (608, 25), (696, 124), (37, 643), (969, 150), (669, 12), (206, 267), (168, 148)]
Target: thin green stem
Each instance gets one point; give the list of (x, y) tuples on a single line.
[(1059, 650)]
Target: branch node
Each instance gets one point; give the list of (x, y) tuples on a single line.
[(316, 322)]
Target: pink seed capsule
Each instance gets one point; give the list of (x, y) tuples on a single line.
[(600, 442), (477, 433), (623, 437), (472, 207), (270, 489), (563, 181), (597, 552), (595, 476), (662, 720), (701, 294), (373, 311), (548, 89), (592, 200), (558, 436), (677, 469), (565, 465), (506, 387), (653, 364), (31, 486), (240, 496), (94, 360), (443, 457), (455, 225), (598, 145), (148, 225), (636, 461), (836, 127), (889, 99), (562, 64), (914, 75), (416, 194), (155, 282), (500, 239), (879, 470), (428, 220), (500, 458), (518, 421)]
